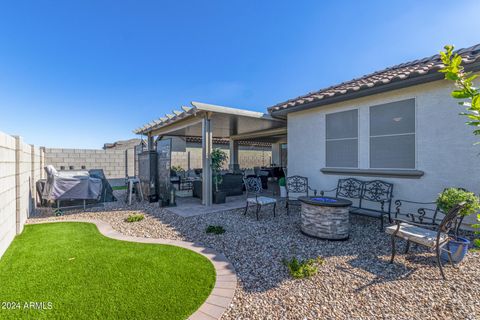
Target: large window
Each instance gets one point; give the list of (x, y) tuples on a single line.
[(392, 135), (342, 139)]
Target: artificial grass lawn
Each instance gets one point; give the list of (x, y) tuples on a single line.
[(119, 188), (88, 276)]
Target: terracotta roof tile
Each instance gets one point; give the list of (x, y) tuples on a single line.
[(398, 72)]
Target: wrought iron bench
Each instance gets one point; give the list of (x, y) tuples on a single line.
[(376, 193)]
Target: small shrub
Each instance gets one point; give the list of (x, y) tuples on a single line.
[(476, 226), (281, 182), (299, 269), (215, 229), (450, 197), (178, 169), (134, 218)]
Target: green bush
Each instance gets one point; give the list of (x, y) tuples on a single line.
[(450, 197), (303, 268), (218, 158), (281, 182), (178, 169), (215, 229), (135, 217)]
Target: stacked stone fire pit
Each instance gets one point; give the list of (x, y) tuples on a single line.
[(325, 217)]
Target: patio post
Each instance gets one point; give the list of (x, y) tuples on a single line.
[(151, 142), (233, 155), (206, 160)]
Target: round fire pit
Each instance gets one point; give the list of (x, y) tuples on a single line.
[(325, 217)]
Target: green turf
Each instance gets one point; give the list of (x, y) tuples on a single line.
[(119, 187), (88, 276)]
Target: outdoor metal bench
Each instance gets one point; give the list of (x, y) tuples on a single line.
[(368, 195)]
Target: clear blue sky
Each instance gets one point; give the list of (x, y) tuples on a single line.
[(81, 73)]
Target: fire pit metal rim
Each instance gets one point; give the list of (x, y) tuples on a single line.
[(339, 202)]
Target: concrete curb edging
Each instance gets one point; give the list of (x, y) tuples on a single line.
[(225, 280)]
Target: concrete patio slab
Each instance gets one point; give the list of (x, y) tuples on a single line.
[(189, 207)]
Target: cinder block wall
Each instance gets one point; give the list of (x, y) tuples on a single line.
[(246, 158), (115, 163), (20, 167)]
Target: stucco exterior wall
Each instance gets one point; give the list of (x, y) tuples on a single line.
[(445, 148)]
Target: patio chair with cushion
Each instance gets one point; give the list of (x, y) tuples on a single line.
[(425, 213), (297, 185), (433, 239), (253, 187)]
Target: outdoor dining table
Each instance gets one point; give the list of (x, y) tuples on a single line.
[(325, 217)]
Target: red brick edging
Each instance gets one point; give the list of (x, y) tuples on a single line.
[(225, 281)]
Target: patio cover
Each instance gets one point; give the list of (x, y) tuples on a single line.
[(226, 122), (211, 121)]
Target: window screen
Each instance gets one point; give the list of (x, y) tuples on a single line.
[(342, 139), (392, 135)]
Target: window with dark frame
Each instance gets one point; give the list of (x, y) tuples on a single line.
[(342, 139), (392, 135)]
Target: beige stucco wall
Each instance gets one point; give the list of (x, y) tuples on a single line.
[(20, 167), (445, 148)]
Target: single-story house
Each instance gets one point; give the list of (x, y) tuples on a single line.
[(400, 125)]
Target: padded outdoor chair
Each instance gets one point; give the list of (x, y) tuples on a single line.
[(253, 188), (296, 185), (433, 239)]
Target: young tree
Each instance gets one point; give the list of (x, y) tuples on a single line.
[(466, 90)]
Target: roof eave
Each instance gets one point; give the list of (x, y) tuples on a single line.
[(400, 84)]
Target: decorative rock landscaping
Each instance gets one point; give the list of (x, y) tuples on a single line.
[(355, 281)]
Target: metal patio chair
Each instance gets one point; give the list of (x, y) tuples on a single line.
[(253, 188), (297, 185), (433, 239)]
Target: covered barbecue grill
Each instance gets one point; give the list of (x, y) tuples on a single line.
[(74, 186)]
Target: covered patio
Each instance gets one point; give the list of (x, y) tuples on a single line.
[(207, 122)]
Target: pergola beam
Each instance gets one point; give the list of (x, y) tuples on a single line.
[(260, 134)]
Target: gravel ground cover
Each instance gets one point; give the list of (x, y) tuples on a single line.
[(355, 282)]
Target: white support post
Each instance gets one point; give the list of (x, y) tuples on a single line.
[(234, 164), (207, 142)]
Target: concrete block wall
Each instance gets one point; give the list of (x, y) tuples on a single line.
[(246, 158), (115, 163), (21, 165)]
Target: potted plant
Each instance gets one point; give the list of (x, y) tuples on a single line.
[(448, 199), (219, 157), (283, 189)]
